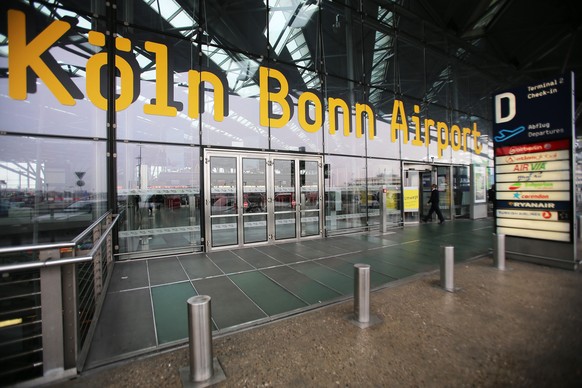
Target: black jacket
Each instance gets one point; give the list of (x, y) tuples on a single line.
[(434, 197)]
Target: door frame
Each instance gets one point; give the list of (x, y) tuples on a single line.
[(270, 190), (432, 169)]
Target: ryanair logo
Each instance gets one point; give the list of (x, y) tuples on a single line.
[(544, 205)]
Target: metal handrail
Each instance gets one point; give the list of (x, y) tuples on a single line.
[(37, 247), (51, 262), (90, 228)]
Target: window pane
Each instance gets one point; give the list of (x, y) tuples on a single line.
[(51, 189)]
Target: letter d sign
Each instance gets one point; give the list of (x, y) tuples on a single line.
[(509, 104)]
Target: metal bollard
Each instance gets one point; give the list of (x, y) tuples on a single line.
[(499, 252), (200, 338), (362, 292), (204, 370), (447, 265)]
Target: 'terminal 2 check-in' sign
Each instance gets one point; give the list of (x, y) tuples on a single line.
[(533, 136)]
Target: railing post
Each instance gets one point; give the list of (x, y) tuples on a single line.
[(202, 367), (109, 242), (97, 264), (499, 252), (51, 301), (447, 265)]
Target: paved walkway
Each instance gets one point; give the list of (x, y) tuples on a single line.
[(144, 309), (514, 328)]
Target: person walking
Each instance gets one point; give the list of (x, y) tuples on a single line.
[(434, 205)]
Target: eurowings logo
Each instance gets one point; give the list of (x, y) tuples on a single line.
[(506, 134)]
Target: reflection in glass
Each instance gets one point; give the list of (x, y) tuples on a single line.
[(345, 195), (223, 200), (255, 199), (158, 186), (224, 231), (50, 189), (223, 186), (284, 226), (284, 198), (309, 187), (384, 175), (461, 191)]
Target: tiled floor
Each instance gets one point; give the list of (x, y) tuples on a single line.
[(145, 307)]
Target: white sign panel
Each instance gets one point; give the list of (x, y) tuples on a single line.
[(533, 186), (534, 166), (536, 176), (542, 215), (535, 157), (535, 225), (540, 234), (533, 195)]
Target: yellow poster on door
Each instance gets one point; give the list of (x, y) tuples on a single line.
[(411, 199)]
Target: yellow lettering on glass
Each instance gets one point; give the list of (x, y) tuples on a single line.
[(302, 110), (456, 139), (333, 105), (476, 134), (195, 90), (428, 124), (360, 110), (160, 107), (442, 137), (94, 65), (398, 113), (266, 97), (417, 141), (23, 55)]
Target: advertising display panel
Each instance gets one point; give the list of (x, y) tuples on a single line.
[(533, 137)]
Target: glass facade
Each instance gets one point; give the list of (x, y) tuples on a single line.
[(119, 105)]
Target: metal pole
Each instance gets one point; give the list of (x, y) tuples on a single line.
[(382, 205), (447, 265), (200, 335), (362, 292), (499, 252)]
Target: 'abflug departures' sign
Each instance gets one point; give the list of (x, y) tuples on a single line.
[(533, 135)]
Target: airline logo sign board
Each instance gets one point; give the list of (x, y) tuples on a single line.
[(533, 136)]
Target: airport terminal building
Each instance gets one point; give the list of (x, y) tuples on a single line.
[(213, 124), (152, 150)]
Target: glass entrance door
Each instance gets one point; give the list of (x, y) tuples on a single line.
[(255, 198)]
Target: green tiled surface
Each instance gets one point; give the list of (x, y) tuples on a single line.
[(380, 267), (281, 255), (330, 278), (251, 284), (230, 306), (199, 266), (129, 275), (170, 309), (256, 258), (126, 325), (228, 262), (305, 288), (167, 270), (270, 297)]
